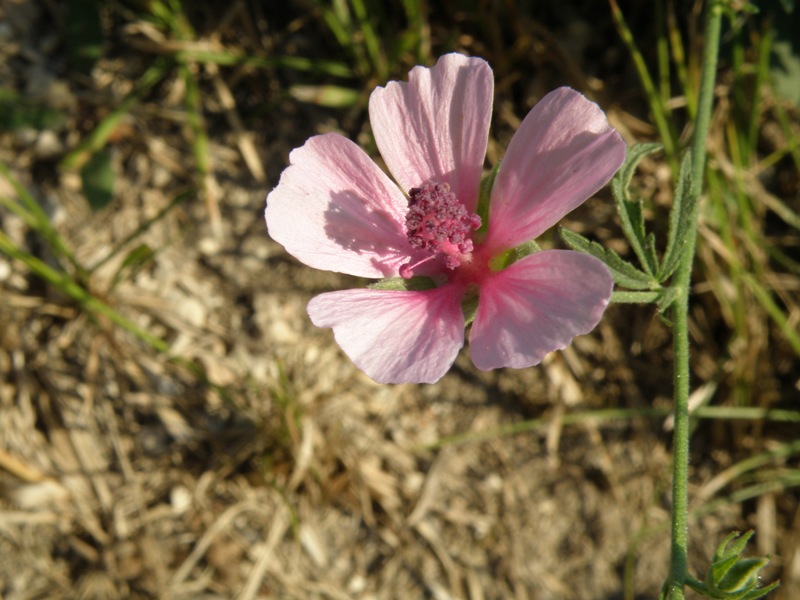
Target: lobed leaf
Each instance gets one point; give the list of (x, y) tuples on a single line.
[(681, 217), (630, 211), (624, 273)]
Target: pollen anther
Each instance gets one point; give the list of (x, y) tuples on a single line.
[(438, 223)]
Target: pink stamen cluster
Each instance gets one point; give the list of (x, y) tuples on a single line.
[(440, 224)]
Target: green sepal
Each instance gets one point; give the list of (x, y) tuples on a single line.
[(681, 218), (624, 273), (398, 284), (484, 198), (630, 211), (524, 250), (509, 257), (469, 306)]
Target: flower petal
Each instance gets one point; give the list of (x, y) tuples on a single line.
[(537, 305), (395, 336), (563, 152), (434, 129), (335, 210)]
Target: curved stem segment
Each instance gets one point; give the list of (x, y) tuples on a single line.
[(674, 585)]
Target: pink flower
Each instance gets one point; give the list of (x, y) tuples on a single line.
[(335, 209)]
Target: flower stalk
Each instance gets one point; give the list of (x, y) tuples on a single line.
[(677, 577)]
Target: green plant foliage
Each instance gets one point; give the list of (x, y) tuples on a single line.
[(681, 217), (630, 210), (84, 34), (785, 67), (137, 259), (484, 197), (625, 274), (97, 178), (731, 577), (18, 112)]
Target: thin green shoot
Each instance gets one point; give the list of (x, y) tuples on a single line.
[(720, 413), (32, 214), (99, 136), (657, 108), (69, 287)]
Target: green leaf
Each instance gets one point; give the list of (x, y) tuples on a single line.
[(703, 589), (635, 154), (97, 177), (625, 274), (720, 568), (724, 551), (743, 576), (731, 577), (83, 34), (761, 592), (667, 299), (681, 217), (630, 211)]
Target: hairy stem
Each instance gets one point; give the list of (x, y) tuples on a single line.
[(674, 585)]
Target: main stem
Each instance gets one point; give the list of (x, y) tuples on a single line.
[(674, 585)]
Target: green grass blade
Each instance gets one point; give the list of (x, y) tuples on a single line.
[(787, 329), (657, 108), (29, 210), (176, 201), (97, 139), (234, 59), (69, 287), (372, 44), (680, 62), (629, 414)]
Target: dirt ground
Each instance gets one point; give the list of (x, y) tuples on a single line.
[(262, 463)]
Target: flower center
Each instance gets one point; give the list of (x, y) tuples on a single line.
[(439, 224)]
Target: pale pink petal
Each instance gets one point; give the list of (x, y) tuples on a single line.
[(563, 152), (537, 305), (395, 336), (335, 210), (434, 129)]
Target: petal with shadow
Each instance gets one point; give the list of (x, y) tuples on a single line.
[(335, 210)]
